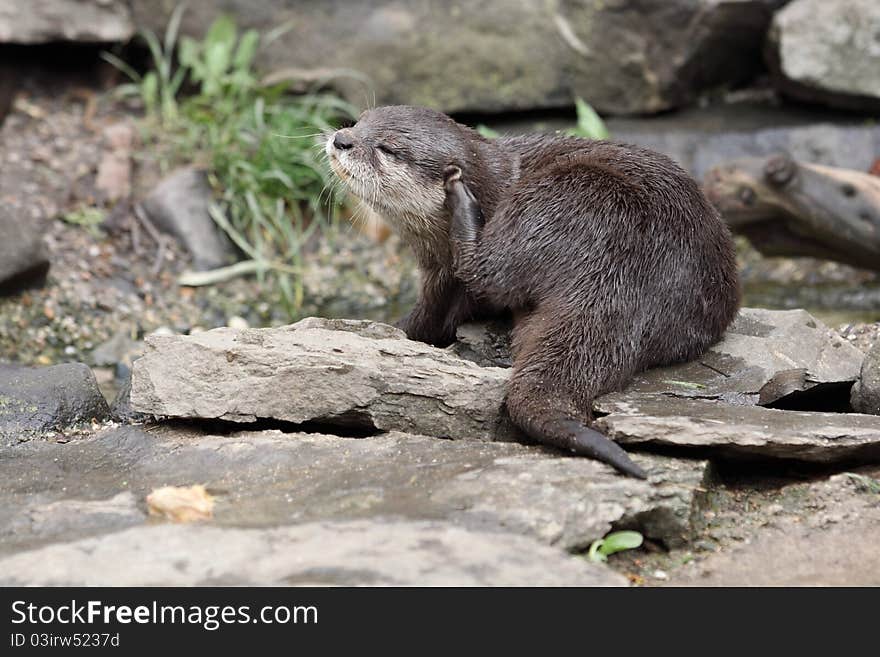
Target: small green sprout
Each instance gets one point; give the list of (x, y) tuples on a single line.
[(614, 542)]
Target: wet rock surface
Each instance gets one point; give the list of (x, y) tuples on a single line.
[(269, 478), (34, 401)]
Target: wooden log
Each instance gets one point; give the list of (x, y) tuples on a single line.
[(795, 208)]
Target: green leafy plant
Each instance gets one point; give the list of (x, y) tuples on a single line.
[(614, 542), (589, 123), (258, 142)]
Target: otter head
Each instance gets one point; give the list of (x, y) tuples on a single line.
[(393, 159)]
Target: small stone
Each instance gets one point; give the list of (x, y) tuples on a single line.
[(180, 206), (237, 323), (181, 503)]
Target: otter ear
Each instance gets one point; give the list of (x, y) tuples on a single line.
[(451, 173)]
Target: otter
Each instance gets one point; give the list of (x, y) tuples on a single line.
[(608, 256)]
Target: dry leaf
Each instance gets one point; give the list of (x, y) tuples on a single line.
[(181, 503)]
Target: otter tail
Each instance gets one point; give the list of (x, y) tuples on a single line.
[(552, 420), (582, 440)]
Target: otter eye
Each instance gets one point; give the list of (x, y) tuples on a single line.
[(386, 149)]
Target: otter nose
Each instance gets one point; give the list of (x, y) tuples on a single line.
[(343, 140)]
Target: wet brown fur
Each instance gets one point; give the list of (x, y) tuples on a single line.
[(609, 256)]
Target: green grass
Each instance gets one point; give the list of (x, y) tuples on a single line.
[(258, 142)]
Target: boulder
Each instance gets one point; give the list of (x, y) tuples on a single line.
[(626, 56), (180, 206), (45, 21), (270, 478), (828, 52), (354, 553), (866, 391), (337, 372), (34, 401)]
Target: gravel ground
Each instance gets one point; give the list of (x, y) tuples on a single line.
[(111, 279)]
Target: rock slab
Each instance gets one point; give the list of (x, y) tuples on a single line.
[(348, 373), (764, 356), (715, 404), (264, 479), (741, 431), (340, 372)]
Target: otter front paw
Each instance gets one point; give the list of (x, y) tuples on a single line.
[(467, 218)]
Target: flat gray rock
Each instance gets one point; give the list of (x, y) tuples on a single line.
[(355, 553), (738, 430), (269, 479), (356, 373), (764, 356), (37, 400), (342, 372), (713, 404)]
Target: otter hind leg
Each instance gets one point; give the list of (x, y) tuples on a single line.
[(551, 390)]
